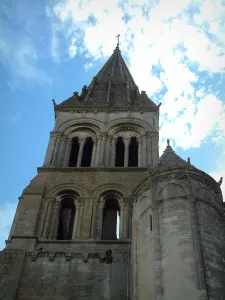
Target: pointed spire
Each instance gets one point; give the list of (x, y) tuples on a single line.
[(170, 160), (113, 86)]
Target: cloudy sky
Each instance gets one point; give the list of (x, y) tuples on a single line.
[(48, 49)]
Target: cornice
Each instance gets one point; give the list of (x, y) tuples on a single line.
[(91, 169), (105, 109)]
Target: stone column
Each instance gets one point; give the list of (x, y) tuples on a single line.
[(61, 155), (99, 220), (121, 229), (155, 147), (94, 214), (144, 151), (54, 220), (56, 150), (41, 219), (81, 141), (67, 153), (102, 149), (140, 152), (149, 149), (50, 149), (47, 220), (107, 156), (93, 157), (77, 221), (126, 221), (113, 152), (126, 155), (98, 150)]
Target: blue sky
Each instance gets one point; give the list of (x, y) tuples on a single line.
[(49, 49)]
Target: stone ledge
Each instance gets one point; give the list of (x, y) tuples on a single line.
[(89, 241), (91, 169)]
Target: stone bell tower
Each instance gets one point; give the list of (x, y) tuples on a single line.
[(70, 237), (106, 218)]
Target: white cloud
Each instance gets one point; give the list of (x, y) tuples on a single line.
[(7, 212), (177, 45)]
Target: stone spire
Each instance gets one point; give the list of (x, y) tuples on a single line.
[(113, 86), (170, 160)]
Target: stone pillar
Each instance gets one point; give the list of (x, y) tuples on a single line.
[(77, 221), (102, 149), (61, 154), (107, 156), (121, 229), (93, 157), (125, 220), (140, 152), (67, 152), (56, 150), (47, 220), (144, 151), (94, 215), (126, 156), (149, 149), (99, 220), (54, 220), (41, 219), (155, 147), (81, 141), (113, 153), (98, 150), (50, 149)]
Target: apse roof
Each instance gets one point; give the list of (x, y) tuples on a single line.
[(170, 160)]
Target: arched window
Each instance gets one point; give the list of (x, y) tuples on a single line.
[(133, 152), (110, 220), (120, 148), (66, 218), (87, 152), (74, 152)]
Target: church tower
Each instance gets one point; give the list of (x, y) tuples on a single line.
[(105, 217)]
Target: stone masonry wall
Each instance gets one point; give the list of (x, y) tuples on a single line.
[(73, 277)]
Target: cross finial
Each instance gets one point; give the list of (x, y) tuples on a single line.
[(118, 39)]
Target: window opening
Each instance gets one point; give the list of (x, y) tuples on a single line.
[(74, 152), (111, 215), (87, 153), (133, 152), (66, 219), (120, 149)]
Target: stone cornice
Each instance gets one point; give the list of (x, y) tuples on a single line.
[(91, 169), (106, 109)]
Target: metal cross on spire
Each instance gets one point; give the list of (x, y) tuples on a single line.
[(118, 39)]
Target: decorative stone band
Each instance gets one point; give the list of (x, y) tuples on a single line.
[(103, 257)]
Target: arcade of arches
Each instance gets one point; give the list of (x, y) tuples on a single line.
[(110, 221), (124, 154)]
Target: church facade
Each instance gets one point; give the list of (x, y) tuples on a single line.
[(106, 218)]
